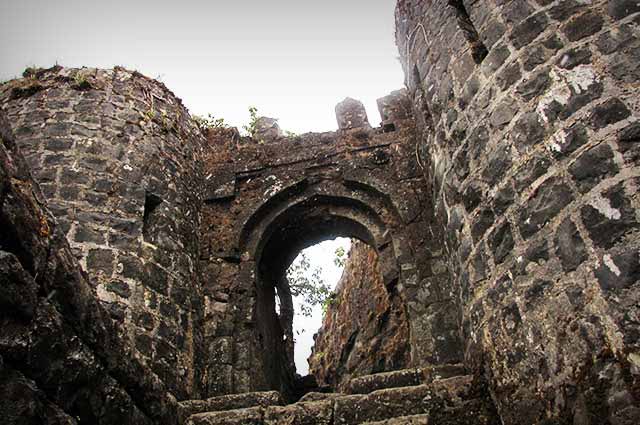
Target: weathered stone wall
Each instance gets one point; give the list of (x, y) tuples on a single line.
[(268, 199), (116, 156), (529, 115), (61, 359), (365, 329)]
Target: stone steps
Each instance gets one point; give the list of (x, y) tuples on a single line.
[(443, 401), (403, 420), (402, 378), (229, 402)]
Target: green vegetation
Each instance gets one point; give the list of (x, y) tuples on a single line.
[(209, 122), (253, 121), (307, 283), (150, 114), (340, 258)]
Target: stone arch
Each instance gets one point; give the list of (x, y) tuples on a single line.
[(298, 216)]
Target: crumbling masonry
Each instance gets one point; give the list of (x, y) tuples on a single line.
[(496, 277)]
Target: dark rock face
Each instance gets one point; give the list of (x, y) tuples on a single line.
[(547, 286), (365, 329), (117, 164), (61, 358)]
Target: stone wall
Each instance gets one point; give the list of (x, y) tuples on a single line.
[(116, 156), (531, 148), (365, 328), (61, 359), (268, 199)]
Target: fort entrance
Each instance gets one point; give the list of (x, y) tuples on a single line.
[(278, 196)]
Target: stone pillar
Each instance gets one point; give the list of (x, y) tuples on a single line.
[(394, 109), (351, 114), (267, 130)]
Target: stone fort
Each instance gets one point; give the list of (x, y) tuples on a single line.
[(496, 273)]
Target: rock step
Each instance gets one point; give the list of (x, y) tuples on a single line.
[(403, 420), (449, 401), (315, 396), (455, 400), (402, 378), (230, 402), (246, 416)]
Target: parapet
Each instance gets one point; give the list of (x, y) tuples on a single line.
[(394, 108), (351, 114), (267, 129)]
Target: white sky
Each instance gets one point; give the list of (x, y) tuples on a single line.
[(293, 59), (320, 255)]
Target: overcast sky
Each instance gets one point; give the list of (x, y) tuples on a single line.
[(293, 59)]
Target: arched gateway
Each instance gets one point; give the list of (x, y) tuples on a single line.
[(278, 196)]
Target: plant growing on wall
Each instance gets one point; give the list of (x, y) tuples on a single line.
[(209, 122), (307, 282), (253, 121)]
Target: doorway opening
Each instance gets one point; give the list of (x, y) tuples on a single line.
[(313, 277)]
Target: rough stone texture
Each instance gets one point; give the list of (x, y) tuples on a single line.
[(365, 329), (539, 195), (309, 413), (116, 155), (403, 420), (398, 378), (351, 115), (267, 130), (264, 202), (230, 402), (183, 237), (402, 378), (250, 416), (455, 400), (61, 358), (451, 400), (503, 206)]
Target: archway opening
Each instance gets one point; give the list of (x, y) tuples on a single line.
[(313, 277), (284, 234), (299, 227)]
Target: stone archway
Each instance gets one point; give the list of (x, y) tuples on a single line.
[(268, 199), (284, 226)]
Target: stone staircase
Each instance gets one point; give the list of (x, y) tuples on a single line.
[(440, 395)]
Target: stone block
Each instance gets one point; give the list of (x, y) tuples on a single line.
[(609, 112), (583, 26), (609, 216), (252, 416), (526, 31), (399, 378), (305, 413), (232, 402), (351, 114), (569, 246), (547, 201), (593, 166), (619, 9)]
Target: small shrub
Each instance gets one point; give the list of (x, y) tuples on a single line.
[(209, 122), (253, 121)]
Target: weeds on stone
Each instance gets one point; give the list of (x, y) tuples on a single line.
[(253, 121), (209, 122), (80, 81)]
